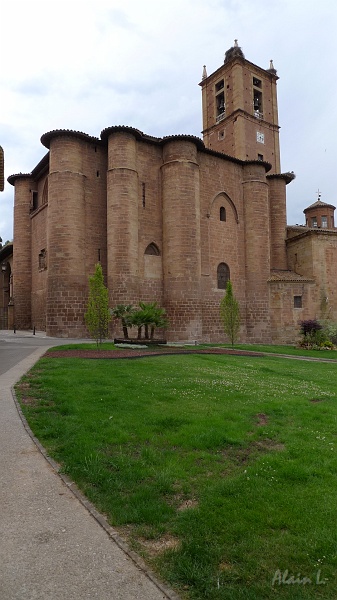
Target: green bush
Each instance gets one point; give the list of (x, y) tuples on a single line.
[(318, 335), (330, 330)]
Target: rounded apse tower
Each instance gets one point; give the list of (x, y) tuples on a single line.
[(181, 237)]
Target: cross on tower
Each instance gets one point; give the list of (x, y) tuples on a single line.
[(318, 194)]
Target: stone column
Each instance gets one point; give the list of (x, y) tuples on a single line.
[(257, 250), (181, 239), (278, 221), (122, 219), (67, 281), (22, 252)]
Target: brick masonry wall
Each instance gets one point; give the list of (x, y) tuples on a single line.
[(324, 249), (94, 165), (220, 185), (300, 255), (38, 224), (285, 319)]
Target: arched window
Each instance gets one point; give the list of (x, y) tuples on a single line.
[(152, 249), (222, 213), (223, 274)]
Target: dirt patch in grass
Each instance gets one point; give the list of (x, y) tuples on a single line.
[(262, 419), (29, 401), (156, 547), (25, 385), (269, 444), (224, 566), (188, 504), (243, 455), (315, 400), (129, 353)]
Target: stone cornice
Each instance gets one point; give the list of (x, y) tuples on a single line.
[(47, 137), (304, 231)]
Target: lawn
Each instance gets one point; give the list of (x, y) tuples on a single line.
[(219, 470)]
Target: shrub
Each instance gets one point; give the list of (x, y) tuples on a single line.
[(98, 315), (310, 326), (230, 314), (314, 335), (330, 330)]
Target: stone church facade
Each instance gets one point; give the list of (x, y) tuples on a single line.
[(172, 219)]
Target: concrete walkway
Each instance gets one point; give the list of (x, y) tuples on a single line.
[(51, 546)]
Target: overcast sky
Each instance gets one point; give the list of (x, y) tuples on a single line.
[(86, 65)]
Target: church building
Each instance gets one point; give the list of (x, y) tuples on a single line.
[(172, 219)]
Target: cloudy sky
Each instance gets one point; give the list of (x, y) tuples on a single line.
[(86, 65)]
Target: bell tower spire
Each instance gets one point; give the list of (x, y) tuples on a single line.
[(239, 106)]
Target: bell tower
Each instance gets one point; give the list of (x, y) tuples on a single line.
[(239, 108)]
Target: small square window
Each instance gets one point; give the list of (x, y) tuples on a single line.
[(297, 301), (260, 157)]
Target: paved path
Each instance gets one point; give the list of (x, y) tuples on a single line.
[(51, 547)]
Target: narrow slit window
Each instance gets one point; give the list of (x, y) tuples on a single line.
[(222, 213), (35, 200), (42, 260), (297, 301)]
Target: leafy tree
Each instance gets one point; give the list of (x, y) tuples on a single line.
[(98, 316), (230, 314), (124, 313)]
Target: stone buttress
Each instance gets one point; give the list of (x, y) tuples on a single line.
[(22, 259), (67, 285), (257, 243), (181, 239), (122, 219)]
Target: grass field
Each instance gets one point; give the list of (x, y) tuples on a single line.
[(219, 470)]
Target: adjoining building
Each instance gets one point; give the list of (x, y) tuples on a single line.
[(172, 219)]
